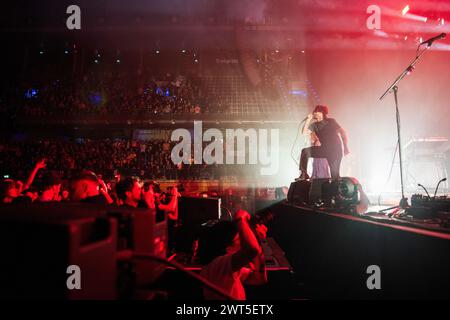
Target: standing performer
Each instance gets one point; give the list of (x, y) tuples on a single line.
[(326, 135)]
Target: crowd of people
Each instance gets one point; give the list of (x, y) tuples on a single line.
[(148, 159), (112, 171), (107, 93), (234, 258)]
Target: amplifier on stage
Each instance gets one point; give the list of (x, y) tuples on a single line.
[(426, 162)]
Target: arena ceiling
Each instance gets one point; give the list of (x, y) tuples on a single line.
[(213, 24)]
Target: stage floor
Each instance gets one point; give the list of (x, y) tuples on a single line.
[(331, 251)]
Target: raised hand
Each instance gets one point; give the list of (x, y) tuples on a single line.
[(41, 164), (241, 214), (261, 231)]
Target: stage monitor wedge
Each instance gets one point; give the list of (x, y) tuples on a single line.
[(299, 192)]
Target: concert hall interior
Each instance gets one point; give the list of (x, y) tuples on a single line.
[(196, 150)]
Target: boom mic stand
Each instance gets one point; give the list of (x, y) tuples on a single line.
[(394, 88)]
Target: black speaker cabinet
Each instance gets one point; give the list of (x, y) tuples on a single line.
[(321, 190), (310, 192), (42, 243), (197, 210), (299, 192)]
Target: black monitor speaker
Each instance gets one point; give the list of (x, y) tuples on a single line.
[(299, 192)]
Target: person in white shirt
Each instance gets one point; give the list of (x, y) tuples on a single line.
[(233, 256)]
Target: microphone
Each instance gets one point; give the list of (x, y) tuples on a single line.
[(431, 40), (425, 190), (437, 187), (306, 118)]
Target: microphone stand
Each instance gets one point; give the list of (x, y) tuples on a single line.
[(394, 88)]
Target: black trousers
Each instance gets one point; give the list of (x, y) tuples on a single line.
[(333, 157)]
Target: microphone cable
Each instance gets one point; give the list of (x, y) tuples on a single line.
[(295, 142)]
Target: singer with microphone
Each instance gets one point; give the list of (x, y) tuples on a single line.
[(329, 138)]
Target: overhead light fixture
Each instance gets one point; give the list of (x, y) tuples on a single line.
[(405, 10)]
